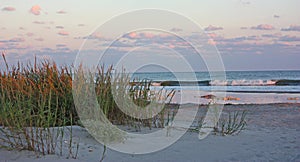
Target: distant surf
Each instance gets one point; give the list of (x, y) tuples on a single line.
[(283, 82), (236, 81)]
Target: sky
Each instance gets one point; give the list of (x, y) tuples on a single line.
[(249, 34)]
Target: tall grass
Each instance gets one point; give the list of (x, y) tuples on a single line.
[(231, 123), (121, 100), (234, 124), (34, 100), (37, 106)]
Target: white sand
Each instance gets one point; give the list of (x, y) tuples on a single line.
[(273, 133)]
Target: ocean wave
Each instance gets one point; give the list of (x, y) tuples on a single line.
[(283, 82)]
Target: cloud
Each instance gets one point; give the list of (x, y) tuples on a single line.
[(245, 2), (119, 43), (9, 45), (63, 33), (292, 28), (133, 35), (220, 40), (93, 36), (143, 35), (212, 35), (275, 35), (213, 28), (147, 35), (233, 40), (36, 10), (288, 38), (60, 45), (39, 39), (21, 28), (276, 16), (64, 49), (8, 9), (59, 27), (253, 37), (61, 12), (38, 22), (13, 40), (263, 27), (176, 30), (80, 25), (211, 42), (243, 28), (17, 39), (29, 34)]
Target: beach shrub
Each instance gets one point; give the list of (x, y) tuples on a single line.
[(233, 125)]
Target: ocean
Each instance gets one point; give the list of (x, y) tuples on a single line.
[(249, 86)]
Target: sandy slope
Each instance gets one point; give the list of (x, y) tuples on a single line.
[(273, 133)]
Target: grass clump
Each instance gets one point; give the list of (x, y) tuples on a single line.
[(234, 124), (231, 124), (38, 108)]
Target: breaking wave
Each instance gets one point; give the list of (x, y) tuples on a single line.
[(283, 82)]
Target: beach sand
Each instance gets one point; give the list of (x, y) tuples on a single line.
[(272, 133)]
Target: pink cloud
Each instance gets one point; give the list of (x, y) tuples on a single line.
[(163, 35), (63, 33), (142, 35), (8, 9), (211, 42), (212, 35), (36, 10), (263, 27), (133, 35), (286, 43), (292, 28), (171, 46), (61, 12), (213, 28), (147, 35), (97, 35)]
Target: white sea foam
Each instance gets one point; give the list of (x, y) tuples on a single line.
[(242, 82)]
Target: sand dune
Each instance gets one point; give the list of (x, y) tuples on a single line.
[(273, 133)]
